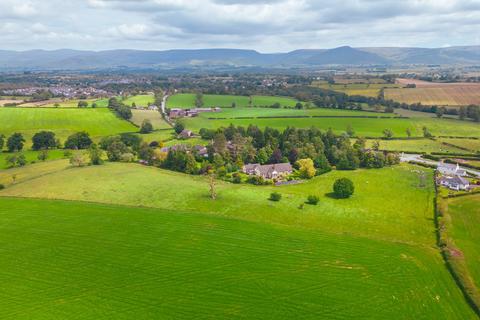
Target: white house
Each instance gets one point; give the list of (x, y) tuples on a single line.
[(455, 183), (451, 169)]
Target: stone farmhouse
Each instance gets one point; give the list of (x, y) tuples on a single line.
[(268, 171)]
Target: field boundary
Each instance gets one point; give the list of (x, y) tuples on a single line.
[(452, 256)]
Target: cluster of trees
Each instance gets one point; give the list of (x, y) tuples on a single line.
[(121, 109), (311, 151)]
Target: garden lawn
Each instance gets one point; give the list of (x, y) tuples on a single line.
[(98, 122), (465, 231), (71, 259)]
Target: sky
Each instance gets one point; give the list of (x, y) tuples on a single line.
[(262, 25)]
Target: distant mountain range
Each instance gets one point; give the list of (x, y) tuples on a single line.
[(82, 60)]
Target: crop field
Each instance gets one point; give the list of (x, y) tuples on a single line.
[(187, 100), (162, 264), (465, 231), (415, 145), (220, 258), (362, 89), (97, 122), (444, 95), (141, 100), (369, 127), (138, 116)]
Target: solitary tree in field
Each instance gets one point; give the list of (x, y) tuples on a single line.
[(350, 131), (43, 155), (409, 133), (146, 126), (212, 184), (95, 154), (426, 133), (343, 188), (387, 133), (178, 127)]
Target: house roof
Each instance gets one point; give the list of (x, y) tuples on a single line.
[(455, 180)]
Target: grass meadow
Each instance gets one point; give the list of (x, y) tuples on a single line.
[(141, 100), (101, 261), (187, 100), (138, 116), (418, 145), (369, 127), (240, 256), (98, 122), (465, 231), (31, 156)]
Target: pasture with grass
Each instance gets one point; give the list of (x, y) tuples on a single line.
[(170, 221)]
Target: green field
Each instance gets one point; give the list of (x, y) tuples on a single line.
[(416, 145), (31, 156), (362, 127), (97, 122), (465, 231), (187, 100), (141, 100), (407, 218), (61, 259), (138, 116), (350, 252)]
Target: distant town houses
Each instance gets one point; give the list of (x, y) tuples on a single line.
[(454, 183), (268, 171), (180, 113)]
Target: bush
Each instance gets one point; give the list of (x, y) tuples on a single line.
[(313, 199), (2, 186), (236, 178), (275, 196), (146, 127), (343, 188)]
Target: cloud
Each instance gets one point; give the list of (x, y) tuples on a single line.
[(265, 25)]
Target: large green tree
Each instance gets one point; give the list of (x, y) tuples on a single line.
[(44, 140), (15, 142)]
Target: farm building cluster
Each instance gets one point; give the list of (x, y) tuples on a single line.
[(453, 177), (181, 113)]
